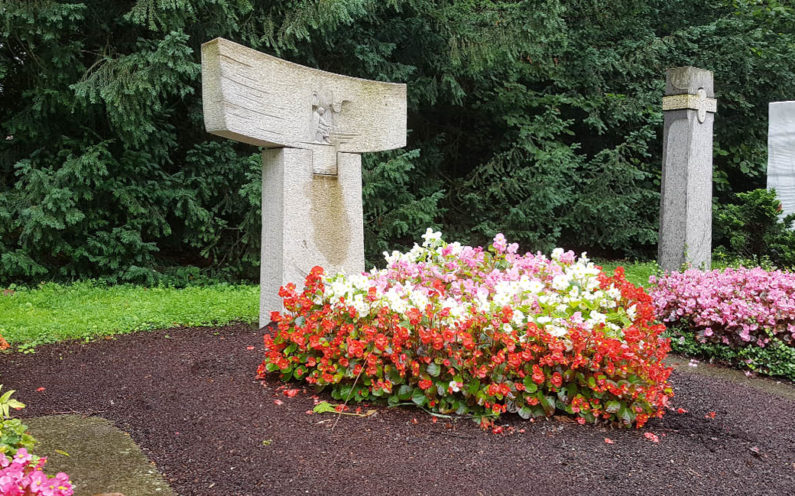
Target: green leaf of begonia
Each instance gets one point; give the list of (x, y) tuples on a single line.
[(433, 369), (418, 397), (529, 385), (404, 392), (626, 415), (548, 403)]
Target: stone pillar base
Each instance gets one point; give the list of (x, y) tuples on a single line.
[(307, 219)]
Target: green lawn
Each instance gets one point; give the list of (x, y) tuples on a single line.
[(53, 312), (636, 272)]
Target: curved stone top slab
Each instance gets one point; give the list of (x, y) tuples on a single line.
[(262, 100)]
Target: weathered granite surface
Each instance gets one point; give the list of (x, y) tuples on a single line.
[(686, 189), (316, 124), (307, 220), (781, 153), (100, 457)]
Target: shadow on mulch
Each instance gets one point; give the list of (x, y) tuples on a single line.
[(188, 397)]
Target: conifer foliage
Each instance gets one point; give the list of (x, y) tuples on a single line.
[(536, 118)]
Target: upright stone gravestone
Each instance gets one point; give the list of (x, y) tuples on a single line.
[(689, 110), (315, 125), (781, 153)]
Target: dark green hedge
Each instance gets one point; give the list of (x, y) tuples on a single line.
[(540, 119)]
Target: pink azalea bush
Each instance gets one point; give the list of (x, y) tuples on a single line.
[(735, 307), (22, 475)]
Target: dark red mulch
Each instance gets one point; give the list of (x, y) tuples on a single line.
[(192, 403)]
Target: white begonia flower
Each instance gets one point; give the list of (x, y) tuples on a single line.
[(393, 258), (396, 301), (505, 292), (418, 299), (632, 312), (608, 303), (482, 302), (502, 299), (457, 309), (556, 331), (556, 253), (415, 253), (430, 237), (596, 295), (550, 299), (614, 292), (544, 319), (596, 318), (518, 318), (560, 282), (361, 305), (576, 271), (455, 248), (360, 282), (454, 386), (535, 286), (562, 307)]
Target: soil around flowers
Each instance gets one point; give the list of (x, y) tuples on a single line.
[(190, 399)]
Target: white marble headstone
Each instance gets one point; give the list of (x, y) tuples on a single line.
[(781, 153)]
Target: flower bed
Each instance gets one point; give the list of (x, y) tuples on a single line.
[(456, 329), (22, 475), (745, 316)]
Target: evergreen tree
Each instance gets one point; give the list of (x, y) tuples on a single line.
[(537, 118)]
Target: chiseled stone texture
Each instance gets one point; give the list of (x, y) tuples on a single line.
[(259, 99), (686, 199), (781, 153), (316, 124), (688, 80), (307, 220)]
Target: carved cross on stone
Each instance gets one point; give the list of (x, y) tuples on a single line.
[(315, 125), (686, 188), (698, 102)]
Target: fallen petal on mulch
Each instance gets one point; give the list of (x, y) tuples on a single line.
[(651, 437)]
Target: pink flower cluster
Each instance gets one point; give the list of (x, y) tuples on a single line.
[(737, 307), (22, 475)]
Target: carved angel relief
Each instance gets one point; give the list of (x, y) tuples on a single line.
[(324, 111)]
